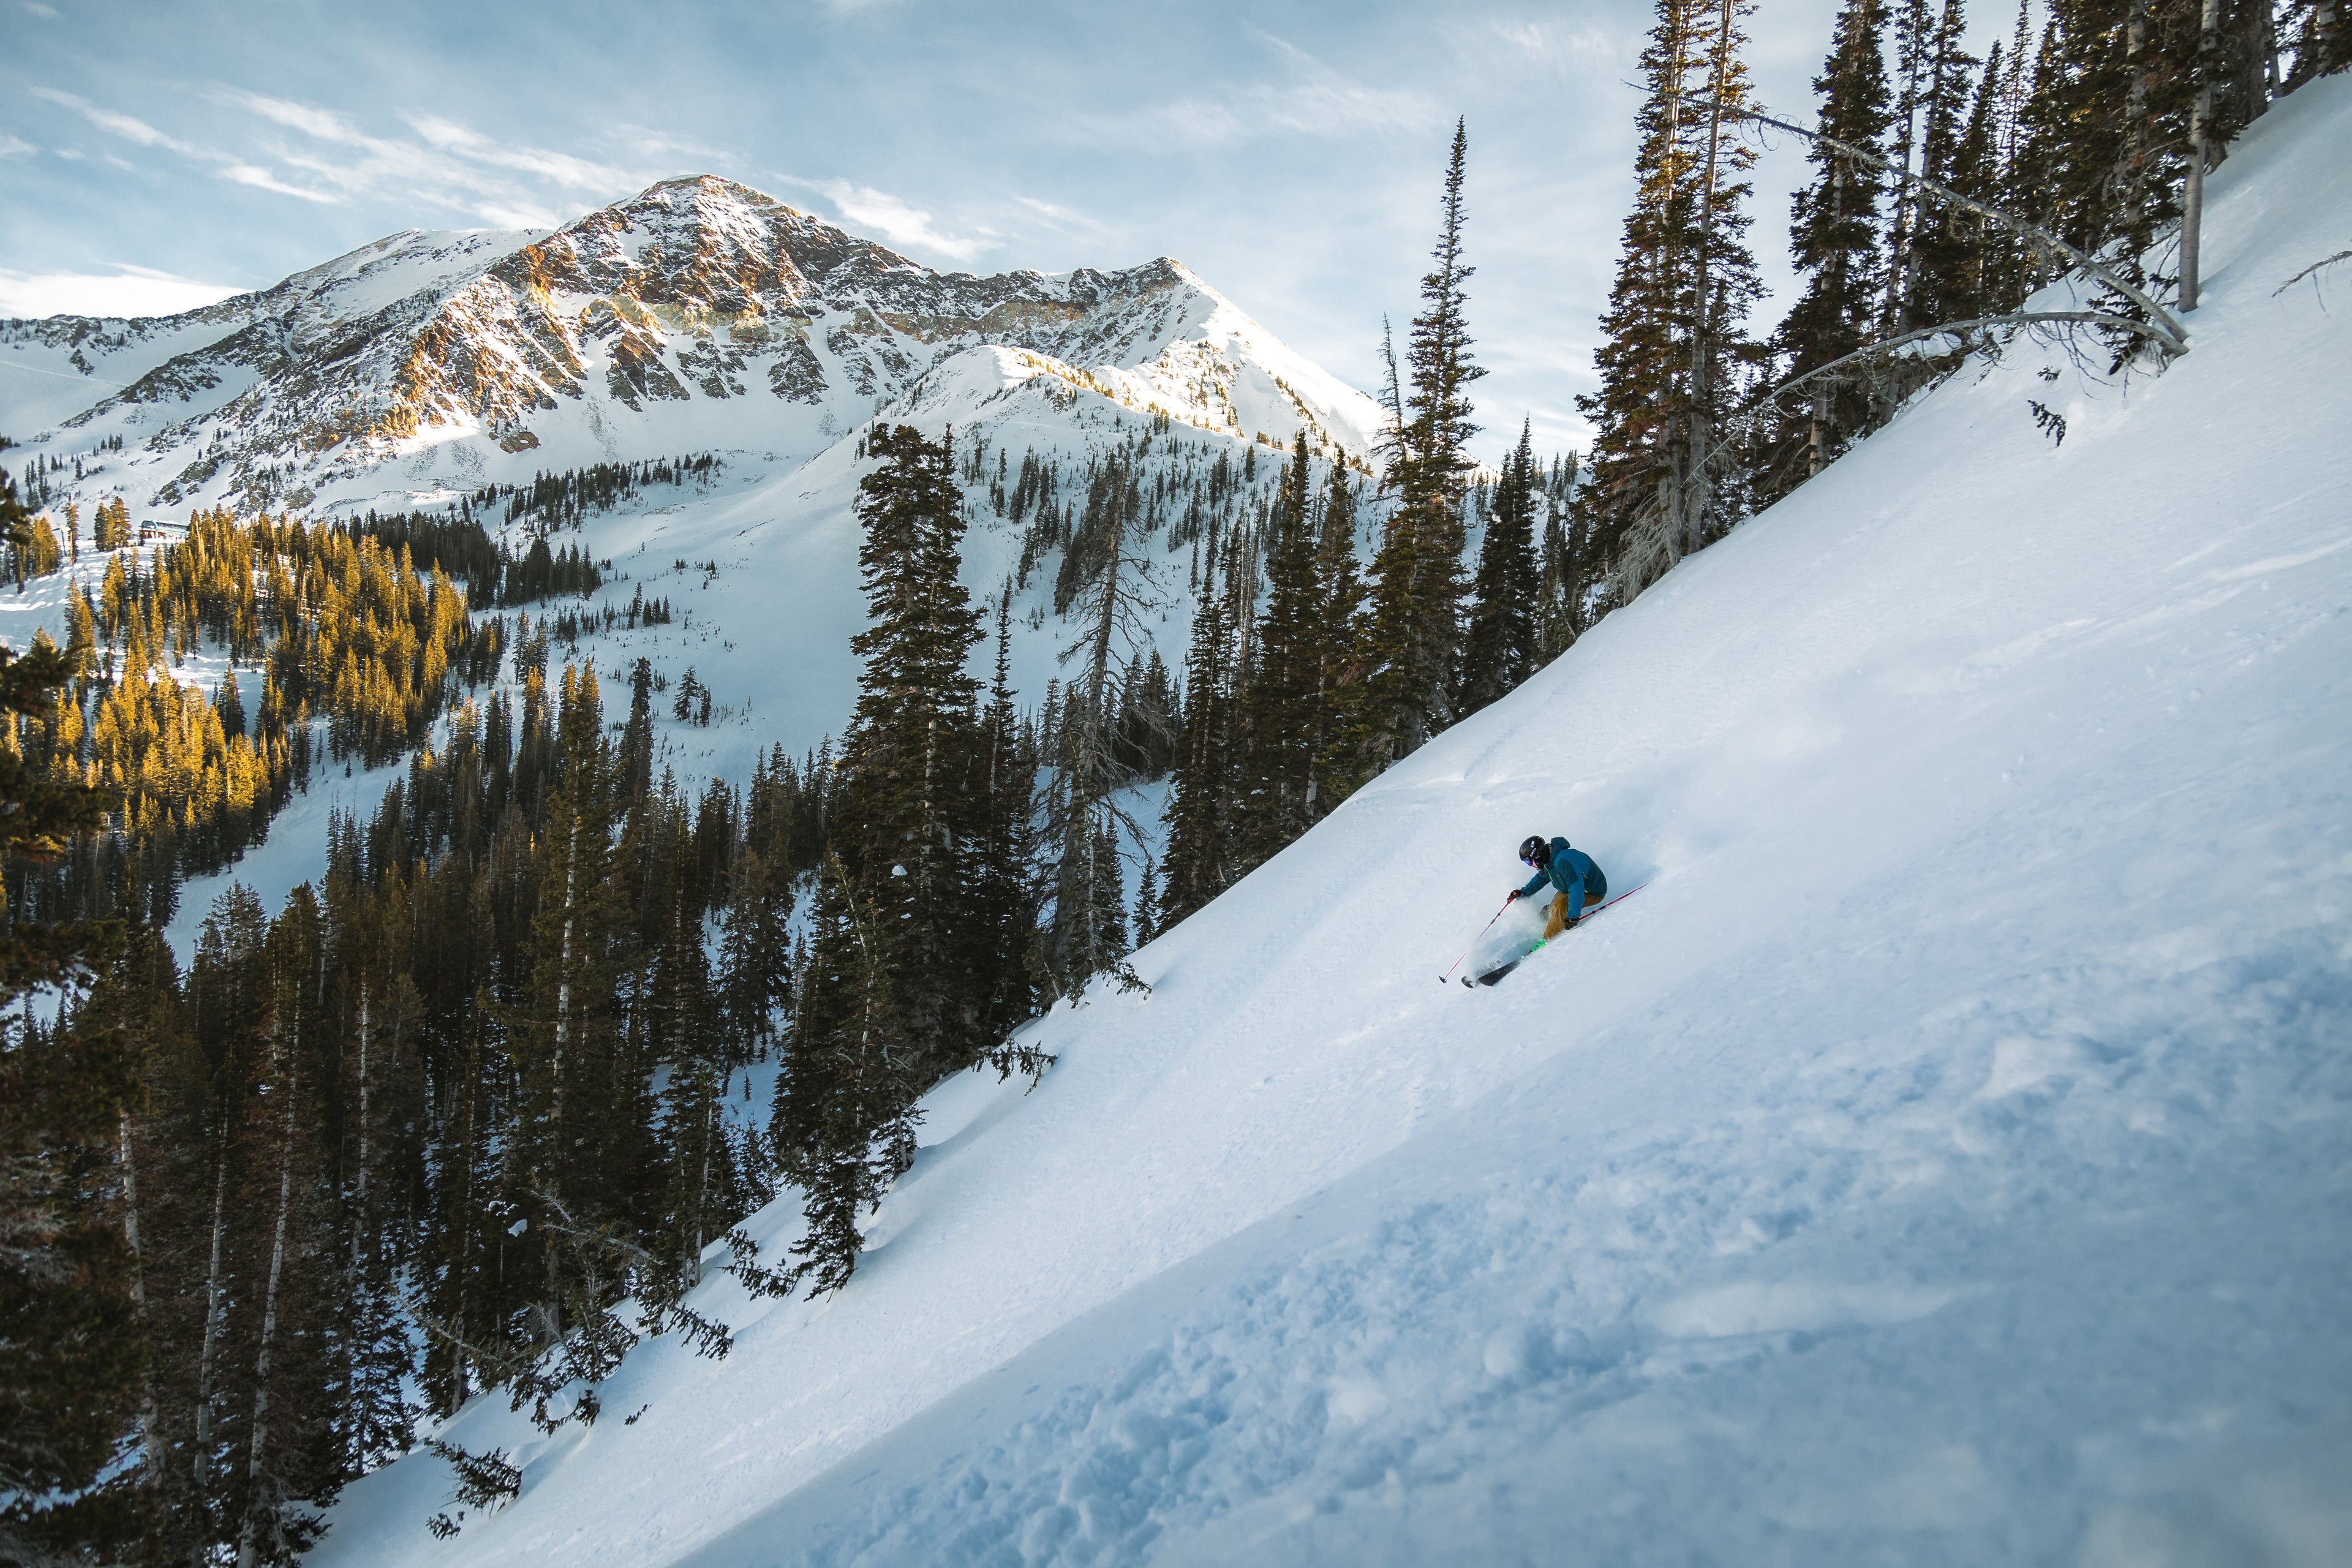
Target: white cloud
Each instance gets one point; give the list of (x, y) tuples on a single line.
[(863, 207), (263, 180), (323, 123), (319, 155), (443, 163), (668, 150), (1062, 218), (1315, 101), (124, 125), (499, 216), (1552, 46), (133, 129), (11, 147), (48, 12), (127, 291), (562, 168)]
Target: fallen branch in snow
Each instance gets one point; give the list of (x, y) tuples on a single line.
[(2324, 261)]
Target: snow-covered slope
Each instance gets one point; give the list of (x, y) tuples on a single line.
[(1943, 1159)]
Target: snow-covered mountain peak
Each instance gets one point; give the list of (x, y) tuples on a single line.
[(698, 314)]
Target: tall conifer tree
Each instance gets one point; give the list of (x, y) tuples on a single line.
[(1674, 340), (1201, 796), (1499, 650), (897, 996), (566, 1037), (1280, 720), (1943, 239), (1834, 241), (1415, 632), (1340, 753)]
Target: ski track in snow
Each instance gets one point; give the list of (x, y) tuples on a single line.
[(1944, 1160)]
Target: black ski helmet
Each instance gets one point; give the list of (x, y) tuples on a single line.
[(1535, 850)]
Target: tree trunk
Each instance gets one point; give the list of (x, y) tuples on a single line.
[(2192, 205), (363, 1233), (248, 1550), (555, 1068), (150, 1456), (201, 1448)]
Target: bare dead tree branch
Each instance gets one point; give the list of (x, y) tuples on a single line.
[(2314, 266), (2169, 334), (1961, 330)]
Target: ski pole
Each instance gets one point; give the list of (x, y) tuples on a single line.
[(1473, 941)]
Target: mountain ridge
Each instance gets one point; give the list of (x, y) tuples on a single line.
[(698, 295)]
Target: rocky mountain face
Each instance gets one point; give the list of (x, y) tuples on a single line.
[(699, 314)]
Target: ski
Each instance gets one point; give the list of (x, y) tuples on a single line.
[(1492, 975)]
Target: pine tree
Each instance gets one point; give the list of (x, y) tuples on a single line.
[(462, 1310), (136, 1000), (2322, 40), (289, 1368), (755, 968), (1340, 749), (1200, 800), (843, 1101), (1004, 912), (1673, 344), (1834, 240), (384, 1016), (72, 1355), (898, 995), (1086, 819), (2082, 170), (902, 829), (1944, 240), (1415, 632), (1146, 905), (1280, 720), (1559, 620), (698, 1203), (637, 757), (1500, 651), (564, 1039), (1965, 274), (1915, 47)]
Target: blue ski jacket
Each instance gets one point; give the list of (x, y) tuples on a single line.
[(1572, 872)]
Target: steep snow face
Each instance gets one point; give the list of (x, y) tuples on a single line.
[(698, 315), (1943, 1158)]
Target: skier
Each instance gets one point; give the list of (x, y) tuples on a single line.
[(1571, 871)]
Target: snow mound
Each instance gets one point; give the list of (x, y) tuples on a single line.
[(1943, 1159)]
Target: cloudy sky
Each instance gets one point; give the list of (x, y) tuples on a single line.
[(155, 156)]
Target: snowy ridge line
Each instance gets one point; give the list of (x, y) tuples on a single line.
[(699, 313)]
